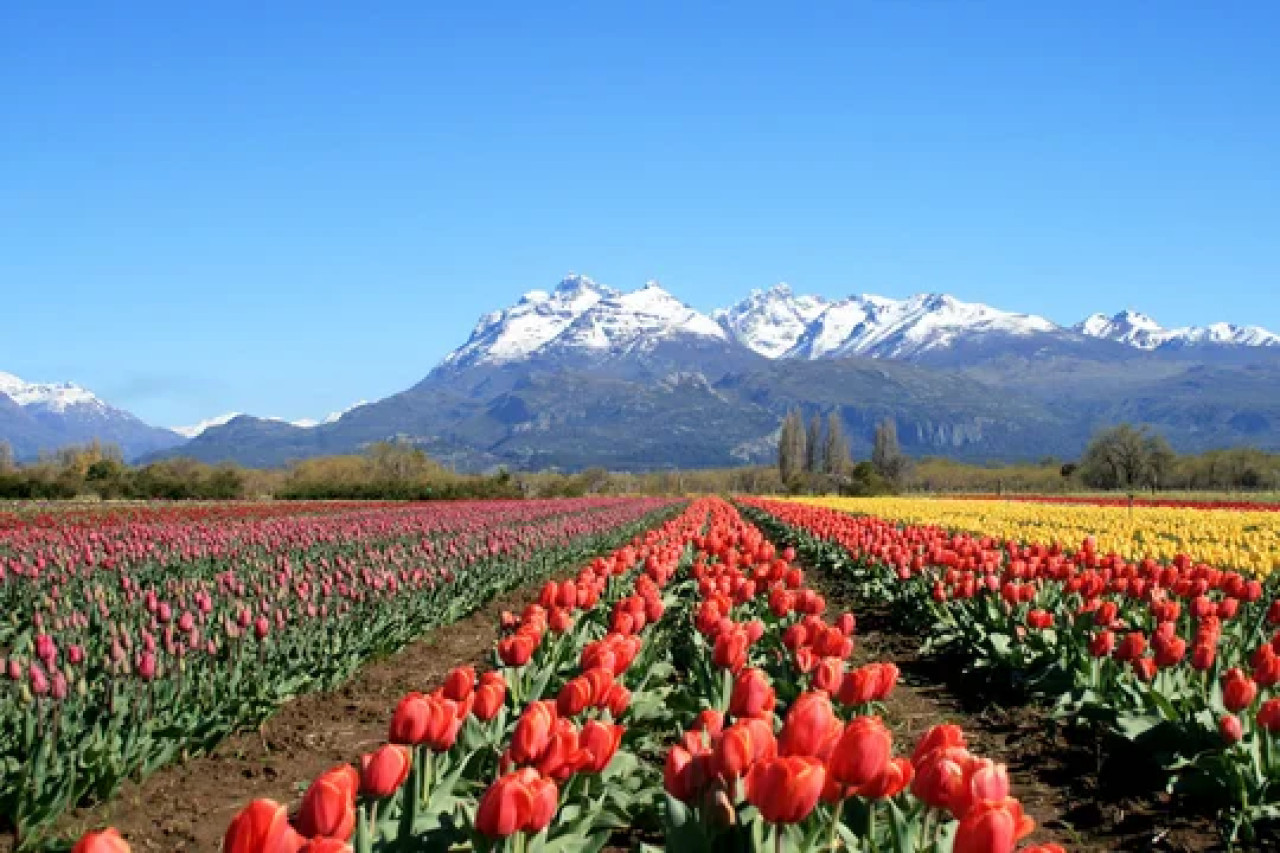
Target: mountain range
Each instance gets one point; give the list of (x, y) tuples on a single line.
[(584, 374)]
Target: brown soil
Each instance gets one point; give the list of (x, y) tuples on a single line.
[(1056, 777), (187, 807)]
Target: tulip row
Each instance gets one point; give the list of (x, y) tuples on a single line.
[(1245, 541), (1180, 660), (687, 686), (1102, 500), (790, 750), (125, 645), (496, 762)]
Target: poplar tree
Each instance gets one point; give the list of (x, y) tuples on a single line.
[(886, 456), (791, 447), (813, 446), (836, 458)]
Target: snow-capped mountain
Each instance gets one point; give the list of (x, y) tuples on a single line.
[(582, 318), (581, 321), (889, 328), (49, 415), (771, 321), (535, 321), (1140, 331), (194, 430), (621, 323), (50, 397)]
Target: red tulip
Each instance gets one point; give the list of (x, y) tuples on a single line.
[(410, 719), (811, 726), (519, 802), (1238, 690), (1230, 729), (939, 778), (829, 674), (1102, 644), (1132, 647), (329, 805), (1269, 715), (734, 752), (383, 771), (983, 780), (753, 695), (993, 826), (786, 789), (518, 648), (444, 720), (574, 698), (710, 721), (617, 700), (730, 650), (895, 778), (687, 771), (862, 752), (601, 740), (544, 799), (489, 699), (106, 841), (459, 683), (865, 684), (564, 755), (943, 736), (532, 733), (262, 827)]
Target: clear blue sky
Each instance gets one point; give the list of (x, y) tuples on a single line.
[(285, 207)]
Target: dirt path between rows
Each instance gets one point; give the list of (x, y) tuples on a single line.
[(187, 807), (1057, 780)]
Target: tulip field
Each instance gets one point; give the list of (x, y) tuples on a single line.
[(687, 691), (684, 685), (136, 636), (1165, 656)]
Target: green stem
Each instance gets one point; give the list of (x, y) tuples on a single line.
[(925, 828), (871, 826), (835, 825)]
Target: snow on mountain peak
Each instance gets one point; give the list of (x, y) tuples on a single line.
[(305, 423), (623, 322), (1138, 330), (51, 397), (532, 323), (880, 327), (195, 429), (771, 321), (580, 315)]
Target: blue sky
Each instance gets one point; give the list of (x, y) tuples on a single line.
[(285, 207)]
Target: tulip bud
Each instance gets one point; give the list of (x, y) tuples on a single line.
[(1231, 729)]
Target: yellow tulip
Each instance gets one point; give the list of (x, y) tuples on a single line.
[(1229, 539)]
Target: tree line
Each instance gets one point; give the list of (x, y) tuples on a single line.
[(813, 456), (818, 458)]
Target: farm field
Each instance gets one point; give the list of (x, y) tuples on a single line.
[(138, 637), (697, 675), (689, 689), (1166, 663)]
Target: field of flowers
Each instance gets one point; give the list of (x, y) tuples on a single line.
[(688, 691), (1247, 540), (1156, 632), (133, 637)]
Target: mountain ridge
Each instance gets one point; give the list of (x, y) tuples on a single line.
[(587, 374)]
